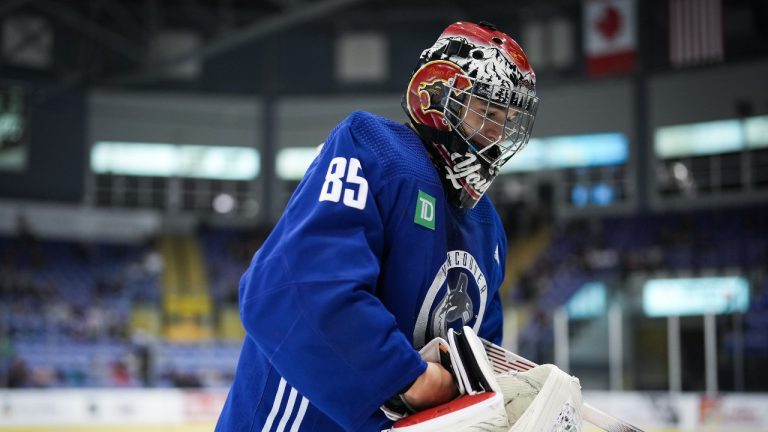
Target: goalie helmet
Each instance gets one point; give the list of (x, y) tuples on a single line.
[(472, 100)]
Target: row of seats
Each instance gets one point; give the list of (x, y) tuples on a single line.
[(612, 249), (56, 364)]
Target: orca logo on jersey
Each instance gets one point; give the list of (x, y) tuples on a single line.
[(457, 297), (456, 305)]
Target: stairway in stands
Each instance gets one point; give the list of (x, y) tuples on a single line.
[(187, 305), (522, 253)]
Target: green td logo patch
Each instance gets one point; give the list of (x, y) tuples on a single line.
[(425, 211)]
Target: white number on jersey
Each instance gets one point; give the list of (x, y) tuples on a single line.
[(334, 184)]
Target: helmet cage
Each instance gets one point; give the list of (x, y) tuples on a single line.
[(494, 120)]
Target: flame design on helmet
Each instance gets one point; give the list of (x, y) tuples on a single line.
[(428, 90)]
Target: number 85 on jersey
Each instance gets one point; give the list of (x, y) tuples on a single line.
[(340, 176)]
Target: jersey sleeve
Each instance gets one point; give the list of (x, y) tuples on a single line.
[(308, 298)]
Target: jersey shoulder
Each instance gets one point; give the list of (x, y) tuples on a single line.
[(485, 212), (396, 148)]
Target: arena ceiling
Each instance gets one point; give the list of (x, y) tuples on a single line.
[(109, 42)]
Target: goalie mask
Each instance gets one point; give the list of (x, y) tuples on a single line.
[(472, 101)]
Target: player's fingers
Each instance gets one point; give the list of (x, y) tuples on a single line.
[(433, 387)]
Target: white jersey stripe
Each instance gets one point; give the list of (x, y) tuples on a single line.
[(275, 406), (300, 415), (288, 411)]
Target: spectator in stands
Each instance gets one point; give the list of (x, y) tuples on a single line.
[(18, 373), (29, 242), (536, 339), (120, 375)]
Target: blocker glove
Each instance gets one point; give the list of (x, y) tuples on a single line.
[(480, 405), (492, 398)]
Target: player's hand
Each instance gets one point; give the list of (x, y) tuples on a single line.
[(434, 387)]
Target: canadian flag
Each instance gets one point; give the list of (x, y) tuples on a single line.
[(610, 36)]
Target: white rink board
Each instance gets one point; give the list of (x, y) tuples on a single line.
[(167, 410), (76, 407), (686, 411)]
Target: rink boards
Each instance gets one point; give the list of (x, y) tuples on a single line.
[(172, 410)]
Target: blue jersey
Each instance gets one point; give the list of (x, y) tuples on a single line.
[(367, 264)]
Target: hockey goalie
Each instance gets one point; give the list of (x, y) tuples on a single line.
[(494, 398)]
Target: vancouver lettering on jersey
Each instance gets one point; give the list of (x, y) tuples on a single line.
[(464, 259)]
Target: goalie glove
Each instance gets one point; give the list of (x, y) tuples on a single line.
[(480, 408)]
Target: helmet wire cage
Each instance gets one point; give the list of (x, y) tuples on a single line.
[(495, 120)]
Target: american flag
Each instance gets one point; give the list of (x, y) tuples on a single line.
[(695, 32)]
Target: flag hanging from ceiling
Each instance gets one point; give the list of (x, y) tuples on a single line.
[(610, 36), (695, 32)]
